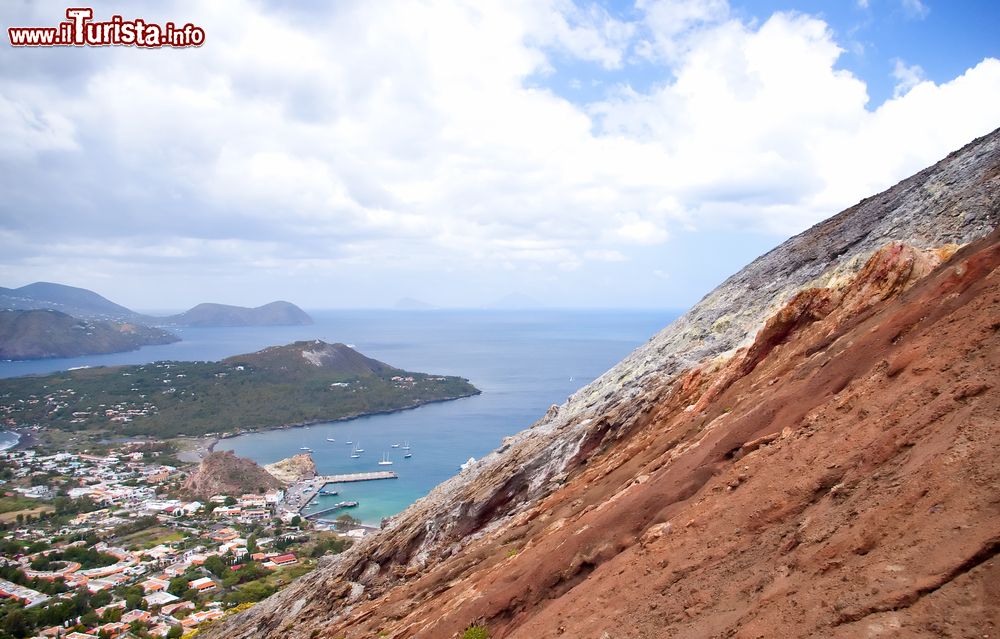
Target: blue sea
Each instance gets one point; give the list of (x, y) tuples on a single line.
[(522, 361)]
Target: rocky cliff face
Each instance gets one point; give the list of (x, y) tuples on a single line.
[(223, 473), (293, 469), (810, 448)]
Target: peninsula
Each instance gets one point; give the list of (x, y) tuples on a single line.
[(38, 334), (280, 386)]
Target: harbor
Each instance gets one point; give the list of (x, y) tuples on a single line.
[(317, 516), (301, 494)]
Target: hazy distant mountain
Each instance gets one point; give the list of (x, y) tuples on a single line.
[(273, 314), (82, 303), (412, 304), (71, 300), (37, 334), (516, 301)]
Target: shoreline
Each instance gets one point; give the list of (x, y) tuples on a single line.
[(26, 439), (14, 444), (346, 418), (206, 443)]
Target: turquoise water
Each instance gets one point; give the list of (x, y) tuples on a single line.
[(522, 361)]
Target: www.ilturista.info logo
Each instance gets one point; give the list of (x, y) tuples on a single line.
[(80, 30)]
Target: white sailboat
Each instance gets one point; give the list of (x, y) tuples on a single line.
[(358, 448), (406, 445), (354, 453), (385, 460)]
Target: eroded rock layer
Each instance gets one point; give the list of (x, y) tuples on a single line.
[(223, 473), (810, 451), (293, 469)]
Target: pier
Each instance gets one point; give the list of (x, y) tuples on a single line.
[(300, 494), (327, 511)]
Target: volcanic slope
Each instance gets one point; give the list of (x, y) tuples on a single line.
[(810, 451)]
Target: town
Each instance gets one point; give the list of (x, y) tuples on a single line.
[(105, 544)]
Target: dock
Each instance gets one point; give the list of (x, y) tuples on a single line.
[(327, 511), (304, 492), (340, 479)]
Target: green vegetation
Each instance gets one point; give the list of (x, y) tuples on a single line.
[(86, 557), (328, 544), (15, 575), (13, 504), (147, 534), (168, 399), (476, 632), (346, 522)]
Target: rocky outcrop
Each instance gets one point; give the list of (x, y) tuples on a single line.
[(312, 358), (293, 469), (223, 473), (801, 494)]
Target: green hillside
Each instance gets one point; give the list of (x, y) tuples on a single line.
[(301, 382)]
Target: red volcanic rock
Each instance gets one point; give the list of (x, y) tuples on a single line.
[(811, 451)]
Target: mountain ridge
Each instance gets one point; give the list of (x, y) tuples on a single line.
[(71, 300), (86, 304), (278, 313), (47, 333), (440, 540)]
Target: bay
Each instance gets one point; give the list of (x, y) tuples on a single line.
[(522, 361)]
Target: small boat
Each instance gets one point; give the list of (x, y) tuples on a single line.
[(305, 448), (328, 493), (348, 442), (385, 460), (407, 455), (395, 445), (406, 445), (346, 504), (330, 439), (468, 463), (359, 449), (354, 453)]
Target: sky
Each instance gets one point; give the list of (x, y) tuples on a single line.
[(349, 154)]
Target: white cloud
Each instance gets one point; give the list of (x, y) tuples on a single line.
[(380, 133), (671, 23), (906, 76), (915, 9), (633, 229), (605, 255)]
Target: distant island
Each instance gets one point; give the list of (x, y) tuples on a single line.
[(38, 334), (273, 314), (281, 386), (86, 304)]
